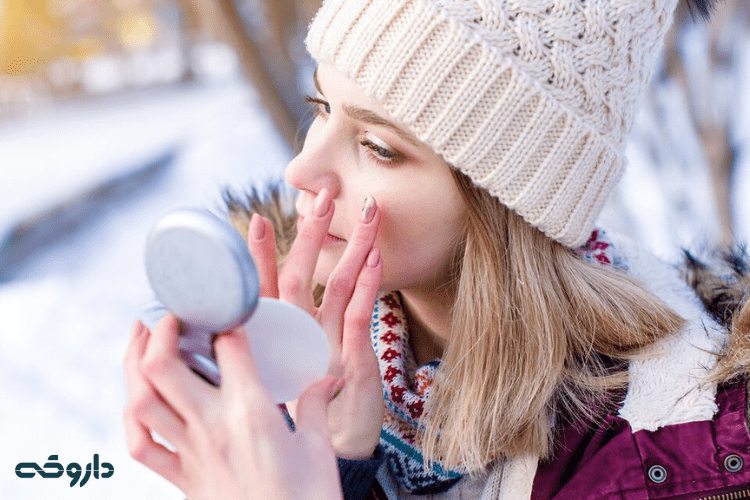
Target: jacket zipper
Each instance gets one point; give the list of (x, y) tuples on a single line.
[(737, 495)]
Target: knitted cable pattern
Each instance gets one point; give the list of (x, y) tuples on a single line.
[(531, 99)]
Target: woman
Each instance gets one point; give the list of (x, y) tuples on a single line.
[(519, 352)]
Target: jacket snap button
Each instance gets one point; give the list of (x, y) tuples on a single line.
[(658, 474), (733, 463)]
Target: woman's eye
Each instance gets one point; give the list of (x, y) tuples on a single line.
[(320, 106), (381, 153)]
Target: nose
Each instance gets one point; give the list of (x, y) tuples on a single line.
[(314, 168)]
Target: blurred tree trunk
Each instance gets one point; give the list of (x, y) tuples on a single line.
[(263, 33), (702, 81)]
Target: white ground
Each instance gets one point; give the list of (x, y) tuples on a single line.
[(64, 325)]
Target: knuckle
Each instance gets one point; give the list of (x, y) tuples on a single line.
[(154, 364), (212, 437), (137, 407), (242, 418), (139, 448), (356, 320), (338, 286), (362, 237), (249, 415), (368, 281), (239, 416), (290, 285)]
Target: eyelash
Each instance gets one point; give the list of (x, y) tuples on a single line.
[(381, 154), (319, 106), (375, 152)]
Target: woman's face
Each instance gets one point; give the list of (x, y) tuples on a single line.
[(356, 150)]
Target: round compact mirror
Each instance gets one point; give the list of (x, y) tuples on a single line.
[(200, 269)]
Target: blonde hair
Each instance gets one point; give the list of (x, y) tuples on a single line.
[(531, 322)]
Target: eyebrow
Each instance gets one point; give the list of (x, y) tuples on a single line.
[(367, 116)]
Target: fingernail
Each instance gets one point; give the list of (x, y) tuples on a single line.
[(322, 203), (336, 389), (257, 227), (373, 257), (368, 210)]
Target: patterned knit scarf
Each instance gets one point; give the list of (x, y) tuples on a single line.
[(405, 389), (406, 386)]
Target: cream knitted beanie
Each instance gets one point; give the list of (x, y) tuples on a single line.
[(532, 99)]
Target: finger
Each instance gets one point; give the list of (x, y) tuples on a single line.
[(136, 347), (312, 406), (262, 245), (162, 367), (295, 280), (241, 383), (134, 381), (153, 455), (344, 277), (356, 338), (144, 403)]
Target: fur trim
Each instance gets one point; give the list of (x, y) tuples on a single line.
[(704, 7), (275, 204), (517, 479), (723, 287), (670, 383)]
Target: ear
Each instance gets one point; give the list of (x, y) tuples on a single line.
[(704, 7)]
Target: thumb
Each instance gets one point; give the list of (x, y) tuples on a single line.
[(312, 406)]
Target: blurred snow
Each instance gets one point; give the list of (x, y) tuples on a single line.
[(665, 199), (66, 321)]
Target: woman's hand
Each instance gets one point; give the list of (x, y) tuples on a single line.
[(355, 417), (231, 442)]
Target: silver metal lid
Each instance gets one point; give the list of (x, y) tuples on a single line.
[(201, 270)]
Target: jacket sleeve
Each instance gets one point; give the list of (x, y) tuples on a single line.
[(357, 476)]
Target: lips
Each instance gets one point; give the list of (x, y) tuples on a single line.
[(330, 239)]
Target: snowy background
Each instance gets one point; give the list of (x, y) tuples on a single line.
[(72, 279), (66, 307)]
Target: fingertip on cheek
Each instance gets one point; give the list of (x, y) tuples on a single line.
[(373, 258), (323, 203), (368, 210)]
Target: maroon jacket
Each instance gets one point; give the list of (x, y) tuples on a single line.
[(674, 437), (694, 460)]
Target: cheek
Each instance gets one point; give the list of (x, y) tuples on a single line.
[(417, 247)]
